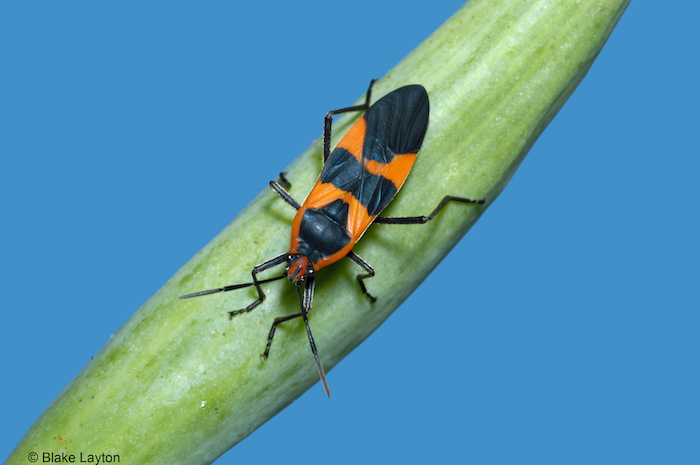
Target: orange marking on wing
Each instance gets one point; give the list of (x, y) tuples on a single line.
[(395, 171), (358, 219), (354, 139), (324, 193)]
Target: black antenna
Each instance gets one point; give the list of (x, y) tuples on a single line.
[(305, 301), (232, 287)]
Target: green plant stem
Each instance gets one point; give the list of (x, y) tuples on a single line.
[(497, 72)]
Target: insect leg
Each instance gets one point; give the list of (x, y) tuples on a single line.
[(284, 182), (282, 192), (328, 120), (304, 306), (255, 283), (360, 277), (261, 295), (277, 321), (424, 219)]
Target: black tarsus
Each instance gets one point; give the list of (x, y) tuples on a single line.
[(360, 277), (284, 182)]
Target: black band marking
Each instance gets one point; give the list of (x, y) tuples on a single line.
[(323, 231)]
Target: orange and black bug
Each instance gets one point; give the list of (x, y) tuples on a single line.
[(359, 179)]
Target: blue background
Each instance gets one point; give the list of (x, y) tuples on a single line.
[(581, 344)]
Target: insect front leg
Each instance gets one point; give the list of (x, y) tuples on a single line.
[(360, 277), (306, 298), (305, 302), (261, 295), (271, 335)]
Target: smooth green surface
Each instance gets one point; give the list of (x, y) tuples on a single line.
[(496, 73)]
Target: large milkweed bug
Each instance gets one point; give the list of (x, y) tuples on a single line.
[(359, 179)]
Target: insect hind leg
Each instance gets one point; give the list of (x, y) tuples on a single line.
[(328, 120), (424, 219)]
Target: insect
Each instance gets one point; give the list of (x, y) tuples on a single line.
[(359, 179)]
